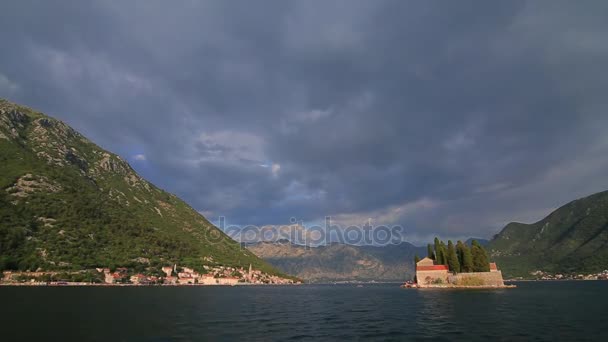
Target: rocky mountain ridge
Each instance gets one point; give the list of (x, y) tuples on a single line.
[(65, 203)]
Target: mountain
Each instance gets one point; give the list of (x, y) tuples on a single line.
[(341, 262), (573, 238), (65, 203)]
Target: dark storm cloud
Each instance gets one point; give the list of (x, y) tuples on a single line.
[(449, 118)]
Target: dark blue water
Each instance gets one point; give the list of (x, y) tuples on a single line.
[(541, 311)]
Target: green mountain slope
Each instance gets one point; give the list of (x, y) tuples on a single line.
[(573, 238), (341, 262), (65, 203)]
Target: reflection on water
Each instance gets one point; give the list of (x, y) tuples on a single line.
[(533, 311)]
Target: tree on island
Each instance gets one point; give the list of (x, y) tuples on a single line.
[(459, 252), (441, 252), (416, 259), (459, 258), (438, 258), (464, 257), (430, 252), (452, 258), (444, 253), (481, 262)]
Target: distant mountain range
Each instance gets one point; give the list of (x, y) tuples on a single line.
[(573, 238), (341, 262), (67, 204)]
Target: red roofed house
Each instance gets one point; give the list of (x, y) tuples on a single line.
[(228, 281), (187, 279), (493, 267), (428, 273), (170, 280), (207, 279), (139, 279)]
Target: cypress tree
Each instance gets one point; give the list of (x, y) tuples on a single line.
[(459, 252), (480, 258), (416, 259), (437, 251), (453, 263), (429, 251), (440, 256), (467, 259), (444, 254)]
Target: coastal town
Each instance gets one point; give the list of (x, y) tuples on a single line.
[(541, 275), (166, 275)]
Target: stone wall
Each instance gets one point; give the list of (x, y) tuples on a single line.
[(493, 278), (427, 277)]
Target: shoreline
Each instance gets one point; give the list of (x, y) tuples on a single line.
[(467, 287), (67, 284), (549, 280)]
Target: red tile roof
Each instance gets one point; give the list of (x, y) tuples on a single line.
[(432, 268)]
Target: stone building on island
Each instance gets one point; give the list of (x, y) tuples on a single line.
[(430, 275)]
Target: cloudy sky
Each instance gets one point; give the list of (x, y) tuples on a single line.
[(449, 118)]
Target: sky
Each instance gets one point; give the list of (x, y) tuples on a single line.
[(447, 118)]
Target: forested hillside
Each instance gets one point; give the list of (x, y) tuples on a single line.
[(65, 203), (573, 238)]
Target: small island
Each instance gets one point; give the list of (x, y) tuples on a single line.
[(456, 266)]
